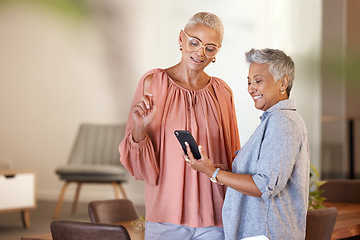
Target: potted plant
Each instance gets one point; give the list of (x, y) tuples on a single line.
[(315, 198)]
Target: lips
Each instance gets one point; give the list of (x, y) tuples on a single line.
[(196, 60), (257, 97)]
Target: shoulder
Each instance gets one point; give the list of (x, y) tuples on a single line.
[(152, 75), (280, 117), (221, 85), (286, 120), (152, 72)]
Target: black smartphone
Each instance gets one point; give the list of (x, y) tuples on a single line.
[(185, 136)]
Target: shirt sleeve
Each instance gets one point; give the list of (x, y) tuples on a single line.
[(139, 158), (278, 154)]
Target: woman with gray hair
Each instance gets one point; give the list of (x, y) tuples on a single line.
[(268, 188), (179, 202)]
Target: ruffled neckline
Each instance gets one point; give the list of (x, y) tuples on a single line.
[(188, 90)]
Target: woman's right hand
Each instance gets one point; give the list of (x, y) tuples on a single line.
[(143, 113)]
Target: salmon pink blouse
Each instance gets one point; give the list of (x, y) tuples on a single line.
[(174, 192)]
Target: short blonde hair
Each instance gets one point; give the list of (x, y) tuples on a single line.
[(210, 20)]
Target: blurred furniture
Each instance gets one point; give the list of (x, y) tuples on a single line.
[(17, 189), (320, 223), (112, 211), (6, 164), (347, 221), (341, 190), (73, 230), (94, 159), (134, 232)]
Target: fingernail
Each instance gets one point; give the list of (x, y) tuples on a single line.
[(147, 106)]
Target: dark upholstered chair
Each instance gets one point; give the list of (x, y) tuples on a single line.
[(320, 223), (341, 190), (72, 230), (94, 159), (112, 211)]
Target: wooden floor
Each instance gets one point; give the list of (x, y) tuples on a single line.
[(11, 227)]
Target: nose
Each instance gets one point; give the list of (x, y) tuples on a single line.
[(251, 88), (201, 50)]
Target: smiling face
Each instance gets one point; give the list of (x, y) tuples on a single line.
[(198, 60), (262, 87)]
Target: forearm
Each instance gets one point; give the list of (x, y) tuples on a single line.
[(240, 182), (138, 134)]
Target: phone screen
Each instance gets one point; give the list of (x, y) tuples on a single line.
[(185, 136)]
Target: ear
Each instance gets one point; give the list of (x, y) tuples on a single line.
[(284, 83), (180, 40)]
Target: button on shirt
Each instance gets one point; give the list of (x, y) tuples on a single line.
[(277, 156)]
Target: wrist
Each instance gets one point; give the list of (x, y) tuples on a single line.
[(211, 171), (138, 134), (213, 177)]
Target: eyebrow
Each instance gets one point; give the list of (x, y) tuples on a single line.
[(202, 41), (256, 75)]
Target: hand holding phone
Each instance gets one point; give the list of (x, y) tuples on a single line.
[(185, 136)]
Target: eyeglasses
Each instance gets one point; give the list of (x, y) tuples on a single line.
[(194, 44)]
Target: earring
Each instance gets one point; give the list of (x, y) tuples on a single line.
[(283, 92), (180, 48), (214, 60)]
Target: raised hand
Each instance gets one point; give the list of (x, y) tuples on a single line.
[(144, 111), (143, 114)]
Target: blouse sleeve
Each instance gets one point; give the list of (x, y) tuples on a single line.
[(278, 154), (229, 121), (139, 158), (235, 139)]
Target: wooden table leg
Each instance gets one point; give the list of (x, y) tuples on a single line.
[(25, 217)]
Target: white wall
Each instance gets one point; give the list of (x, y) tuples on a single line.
[(55, 75)]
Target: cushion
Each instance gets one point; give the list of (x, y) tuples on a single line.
[(92, 172)]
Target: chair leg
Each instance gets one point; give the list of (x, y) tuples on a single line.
[(118, 186), (116, 190), (76, 198), (60, 200), (122, 190)]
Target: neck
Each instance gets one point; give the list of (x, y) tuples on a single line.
[(188, 78)]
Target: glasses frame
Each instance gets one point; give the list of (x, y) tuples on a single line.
[(201, 46)]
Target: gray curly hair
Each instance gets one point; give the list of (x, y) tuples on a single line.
[(210, 20), (279, 64)]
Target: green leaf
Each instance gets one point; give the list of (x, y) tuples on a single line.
[(315, 198)]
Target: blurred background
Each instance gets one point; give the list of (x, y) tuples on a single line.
[(65, 62)]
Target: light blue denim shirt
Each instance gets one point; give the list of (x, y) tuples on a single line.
[(278, 158)]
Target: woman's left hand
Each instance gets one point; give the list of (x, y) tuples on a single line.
[(203, 165)]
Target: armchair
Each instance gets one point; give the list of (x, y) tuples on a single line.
[(94, 159)]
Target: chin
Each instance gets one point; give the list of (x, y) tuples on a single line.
[(259, 107)]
